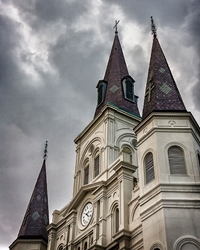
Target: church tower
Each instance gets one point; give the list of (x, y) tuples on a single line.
[(136, 179), (168, 140), (105, 166), (33, 233)]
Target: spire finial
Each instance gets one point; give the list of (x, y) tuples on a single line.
[(153, 28), (45, 151), (115, 27)]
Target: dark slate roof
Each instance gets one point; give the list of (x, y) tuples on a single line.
[(161, 92), (115, 72), (36, 217)]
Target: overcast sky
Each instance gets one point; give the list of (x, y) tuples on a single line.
[(52, 55)]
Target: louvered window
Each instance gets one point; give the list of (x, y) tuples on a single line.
[(86, 175), (129, 89), (101, 91), (176, 160), (100, 94), (149, 167), (96, 166)]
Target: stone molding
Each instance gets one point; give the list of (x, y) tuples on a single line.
[(180, 242)]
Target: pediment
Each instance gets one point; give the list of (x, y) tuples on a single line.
[(90, 188)]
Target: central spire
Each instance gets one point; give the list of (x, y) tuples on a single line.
[(117, 87)]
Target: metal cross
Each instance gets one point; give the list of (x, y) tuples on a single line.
[(45, 151), (149, 89), (153, 28), (115, 27)]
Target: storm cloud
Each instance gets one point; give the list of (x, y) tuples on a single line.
[(52, 55)]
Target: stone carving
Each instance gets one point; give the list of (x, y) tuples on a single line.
[(171, 122)]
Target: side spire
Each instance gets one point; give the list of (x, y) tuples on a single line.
[(161, 92), (36, 217), (117, 87)]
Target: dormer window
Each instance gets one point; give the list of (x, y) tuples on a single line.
[(128, 88), (101, 86)]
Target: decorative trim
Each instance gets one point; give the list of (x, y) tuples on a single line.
[(180, 242), (158, 244)]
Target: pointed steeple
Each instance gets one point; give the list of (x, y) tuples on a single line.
[(161, 92), (112, 89), (36, 217)]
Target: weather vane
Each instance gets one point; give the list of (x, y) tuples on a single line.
[(115, 27), (153, 28), (45, 150)]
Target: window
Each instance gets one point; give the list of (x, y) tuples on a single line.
[(86, 175), (199, 161), (149, 167), (101, 86), (128, 88), (117, 220), (85, 246), (176, 160), (96, 166)]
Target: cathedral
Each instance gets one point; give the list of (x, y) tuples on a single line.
[(136, 176)]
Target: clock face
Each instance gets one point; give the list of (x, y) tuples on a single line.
[(86, 214)]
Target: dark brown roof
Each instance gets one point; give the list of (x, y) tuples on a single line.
[(36, 217), (115, 72), (161, 92)]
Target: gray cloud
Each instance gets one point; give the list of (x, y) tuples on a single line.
[(52, 56)]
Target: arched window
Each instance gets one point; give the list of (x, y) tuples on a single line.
[(149, 167), (176, 160), (117, 220), (96, 166), (86, 175), (85, 246), (128, 88), (101, 86)]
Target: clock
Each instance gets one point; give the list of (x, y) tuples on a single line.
[(86, 214)]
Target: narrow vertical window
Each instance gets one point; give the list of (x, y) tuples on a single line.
[(85, 246), (176, 160), (96, 166), (128, 88), (199, 161), (101, 86), (86, 175), (149, 167), (117, 220), (100, 94)]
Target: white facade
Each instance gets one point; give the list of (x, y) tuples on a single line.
[(127, 213)]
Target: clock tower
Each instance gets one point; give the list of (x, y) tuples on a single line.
[(105, 170), (127, 195)]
